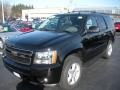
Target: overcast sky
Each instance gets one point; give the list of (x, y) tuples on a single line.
[(66, 3)]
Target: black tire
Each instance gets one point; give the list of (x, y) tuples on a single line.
[(106, 54), (1, 49), (70, 60), (25, 78)]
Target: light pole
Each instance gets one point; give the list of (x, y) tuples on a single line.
[(69, 5), (3, 12)]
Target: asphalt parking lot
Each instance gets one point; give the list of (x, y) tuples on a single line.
[(98, 74)]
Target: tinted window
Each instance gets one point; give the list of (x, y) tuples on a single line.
[(50, 24), (91, 21), (109, 22), (101, 22), (77, 20), (72, 22), (63, 23)]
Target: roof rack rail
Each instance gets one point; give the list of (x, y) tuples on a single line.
[(83, 11), (88, 12)]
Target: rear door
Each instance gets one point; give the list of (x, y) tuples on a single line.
[(104, 32)]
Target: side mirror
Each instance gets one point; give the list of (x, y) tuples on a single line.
[(93, 29)]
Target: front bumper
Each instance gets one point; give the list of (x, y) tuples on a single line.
[(36, 73)]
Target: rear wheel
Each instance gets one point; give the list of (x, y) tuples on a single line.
[(108, 51), (71, 72), (1, 45)]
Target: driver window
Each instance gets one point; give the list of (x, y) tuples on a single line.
[(64, 23), (69, 24), (91, 22)]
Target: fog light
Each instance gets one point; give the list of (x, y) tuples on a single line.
[(16, 74), (45, 80)]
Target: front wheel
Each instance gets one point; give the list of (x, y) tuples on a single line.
[(1, 44), (71, 72)]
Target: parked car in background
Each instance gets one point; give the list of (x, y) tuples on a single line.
[(7, 27), (4, 36), (10, 29), (117, 26), (23, 27), (36, 23)]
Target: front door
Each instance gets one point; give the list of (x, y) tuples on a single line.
[(91, 39)]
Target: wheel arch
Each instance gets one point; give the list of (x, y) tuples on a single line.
[(78, 51)]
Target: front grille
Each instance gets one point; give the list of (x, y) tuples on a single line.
[(19, 55)]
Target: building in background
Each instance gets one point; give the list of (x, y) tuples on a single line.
[(42, 13)]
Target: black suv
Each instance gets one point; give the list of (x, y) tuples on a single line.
[(56, 51)]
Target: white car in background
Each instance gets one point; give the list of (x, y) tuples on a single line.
[(6, 31)]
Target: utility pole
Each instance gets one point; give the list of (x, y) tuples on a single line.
[(3, 19), (69, 5)]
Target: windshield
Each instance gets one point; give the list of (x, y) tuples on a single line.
[(63, 23), (50, 24)]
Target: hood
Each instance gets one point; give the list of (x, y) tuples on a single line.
[(4, 35), (37, 39), (9, 33)]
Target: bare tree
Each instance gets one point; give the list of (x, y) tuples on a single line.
[(17, 9), (7, 9)]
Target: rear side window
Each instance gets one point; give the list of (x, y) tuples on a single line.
[(109, 22), (101, 22)]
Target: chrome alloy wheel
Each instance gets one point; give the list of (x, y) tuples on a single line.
[(1, 44), (73, 74), (109, 49)]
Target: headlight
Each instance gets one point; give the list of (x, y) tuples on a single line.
[(48, 57)]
